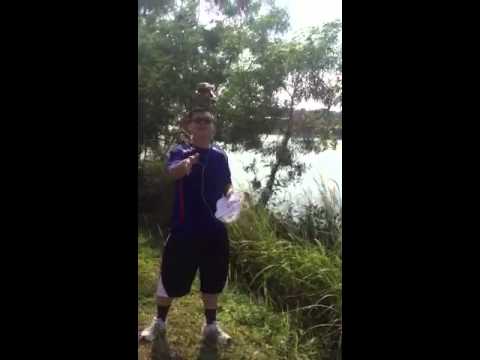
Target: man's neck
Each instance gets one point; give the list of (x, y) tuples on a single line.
[(201, 143)]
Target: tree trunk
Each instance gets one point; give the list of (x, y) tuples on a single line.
[(145, 153), (268, 191)]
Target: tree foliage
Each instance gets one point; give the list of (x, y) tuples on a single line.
[(260, 79)]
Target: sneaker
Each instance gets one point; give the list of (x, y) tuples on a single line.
[(156, 327), (213, 333)]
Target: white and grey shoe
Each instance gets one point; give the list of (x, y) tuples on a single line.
[(213, 333), (156, 327)]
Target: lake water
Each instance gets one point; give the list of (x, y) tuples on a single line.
[(326, 166)]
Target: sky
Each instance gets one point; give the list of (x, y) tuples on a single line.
[(306, 13), (303, 14)]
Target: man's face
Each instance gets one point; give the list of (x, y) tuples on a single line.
[(201, 124)]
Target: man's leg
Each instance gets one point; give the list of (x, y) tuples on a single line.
[(163, 305), (160, 349), (210, 302), (176, 276), (212, 332), (158, 325), (213, 278), (177, 273), (163, 301)]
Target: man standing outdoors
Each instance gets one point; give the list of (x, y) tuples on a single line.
[(198, 240)]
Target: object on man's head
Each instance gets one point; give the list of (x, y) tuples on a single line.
[(206, 88), (204, 98)]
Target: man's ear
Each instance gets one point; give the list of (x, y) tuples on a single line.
[(214, 131), (185, 123)]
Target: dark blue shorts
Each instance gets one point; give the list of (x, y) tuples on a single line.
[(187, 251)]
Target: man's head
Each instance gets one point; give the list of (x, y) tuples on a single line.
[(200, 124)]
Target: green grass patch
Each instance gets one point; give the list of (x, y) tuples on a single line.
[(258, 331)]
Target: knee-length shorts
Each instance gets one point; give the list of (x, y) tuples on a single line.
[(185, 252)]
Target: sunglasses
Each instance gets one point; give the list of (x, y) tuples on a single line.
[(204, 119)]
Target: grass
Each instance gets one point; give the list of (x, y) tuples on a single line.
[(257, 330), (318, 220), (302, 278)]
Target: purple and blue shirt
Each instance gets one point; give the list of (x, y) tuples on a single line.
[(196, 194)]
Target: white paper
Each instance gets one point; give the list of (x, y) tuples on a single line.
[(228, 210)]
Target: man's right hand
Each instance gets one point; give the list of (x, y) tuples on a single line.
[(189, 162), (184, 167)]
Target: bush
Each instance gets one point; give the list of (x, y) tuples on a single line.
[(148, 265), (155, 196)]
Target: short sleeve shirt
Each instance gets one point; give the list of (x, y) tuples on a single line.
[(196, 194)]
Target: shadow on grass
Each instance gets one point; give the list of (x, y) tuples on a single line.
[(208, 351), (161, 350)]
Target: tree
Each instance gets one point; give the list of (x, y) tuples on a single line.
[(154, 6), (241, 5), (308, 66), (252, 66), (305, 68), (175, 53)]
